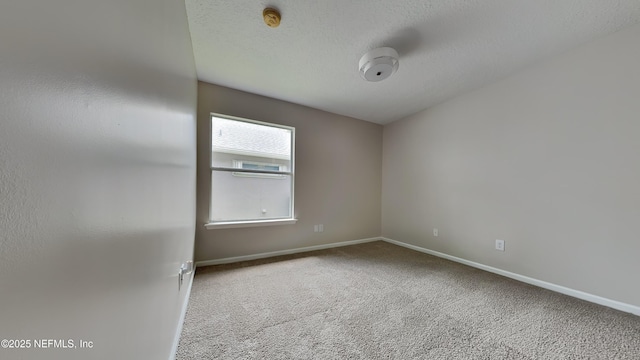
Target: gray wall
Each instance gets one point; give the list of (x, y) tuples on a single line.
[(97, 175), (547, 160), (338, 176)]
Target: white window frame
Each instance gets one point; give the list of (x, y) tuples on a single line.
[(238, 171)]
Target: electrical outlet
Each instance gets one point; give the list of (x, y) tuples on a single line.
[(500, 245), (435, 232)]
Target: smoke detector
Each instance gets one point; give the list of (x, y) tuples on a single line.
[(378, 64)]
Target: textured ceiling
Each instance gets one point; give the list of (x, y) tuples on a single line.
[(446, 47)]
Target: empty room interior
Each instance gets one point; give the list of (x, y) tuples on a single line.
[(366, 179)]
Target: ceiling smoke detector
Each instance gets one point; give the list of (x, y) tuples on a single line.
[(378, 64)]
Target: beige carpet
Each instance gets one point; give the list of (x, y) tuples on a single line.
[(381, 301)]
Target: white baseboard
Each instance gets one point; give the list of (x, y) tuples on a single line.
[(282, 252), (183, 314), (543, 284)]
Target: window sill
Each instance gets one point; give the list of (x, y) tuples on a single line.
[(243, 224)]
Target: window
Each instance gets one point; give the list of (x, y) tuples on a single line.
[(252, 173)]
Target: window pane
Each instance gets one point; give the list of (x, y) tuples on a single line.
[(238, 141), (267, 167), (249, 196)]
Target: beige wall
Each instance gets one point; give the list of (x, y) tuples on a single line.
[(338, 176), (97, 175), (547, 160)]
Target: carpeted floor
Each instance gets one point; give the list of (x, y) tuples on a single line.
[(381, 301)]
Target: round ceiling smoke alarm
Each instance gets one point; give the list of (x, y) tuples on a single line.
[(378, 64)]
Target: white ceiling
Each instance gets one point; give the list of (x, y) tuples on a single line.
[(446, 47)]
